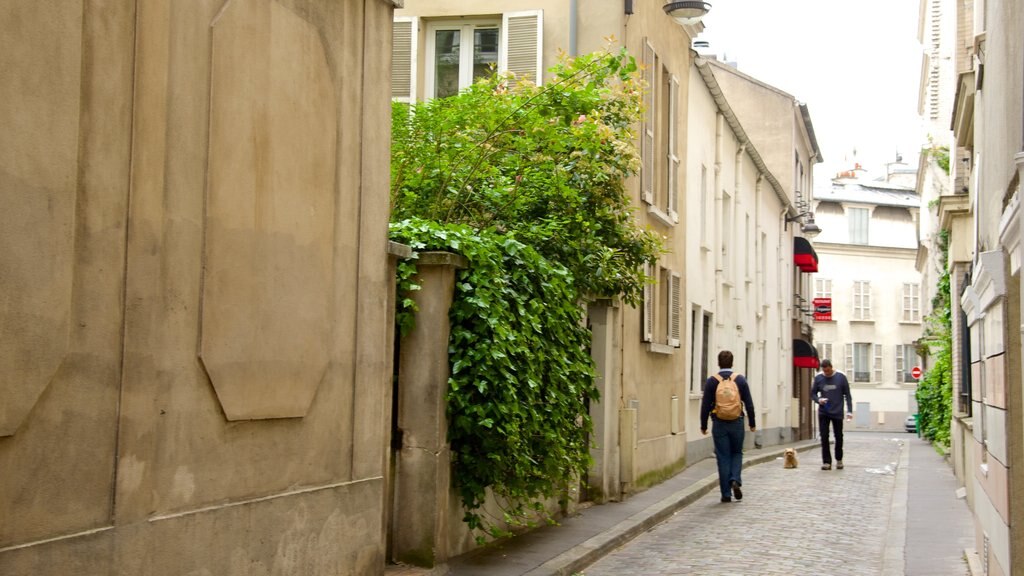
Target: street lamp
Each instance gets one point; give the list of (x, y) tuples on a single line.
[(809, 228), (687, 13)]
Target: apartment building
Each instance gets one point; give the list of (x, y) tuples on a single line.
[(868, 248), (750, 261), (982, 216)]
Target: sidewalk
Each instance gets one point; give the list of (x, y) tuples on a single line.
[(582, 539)]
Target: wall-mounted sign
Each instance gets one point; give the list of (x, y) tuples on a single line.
[(915, 372), (822, 309)]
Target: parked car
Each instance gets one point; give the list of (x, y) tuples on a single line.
[(910, 424)]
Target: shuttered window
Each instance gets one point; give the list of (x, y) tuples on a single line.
[(674, 293), (673, 149), (459, 51), (647, 130), (403, 58), (522, 44), (648, 315)]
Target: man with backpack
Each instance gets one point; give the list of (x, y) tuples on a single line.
[(725, 395)]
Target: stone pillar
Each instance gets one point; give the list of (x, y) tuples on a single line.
[(423, 464), (603, 477)]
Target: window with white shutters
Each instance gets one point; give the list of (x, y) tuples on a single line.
[(876, 372), (861, 300), (461, 50), (404, 38), (647, 175), (911, 302), (674, 292)]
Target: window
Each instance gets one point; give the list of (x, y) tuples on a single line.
[(911, 302), (700, 345), (673, 290), (704, 205), (822, 287), (661, 307), (725, 236), (858, 362), (858, 218), (705, 351), (824, 350), (461, 53), (659, 154), (906, 359), (457, 52), (861, 300)]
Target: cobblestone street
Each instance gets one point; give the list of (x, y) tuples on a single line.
[(790, 521)]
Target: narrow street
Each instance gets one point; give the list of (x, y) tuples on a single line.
[(864, 520)]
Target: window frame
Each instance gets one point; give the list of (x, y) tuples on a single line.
[(911, 303), (466, 28)]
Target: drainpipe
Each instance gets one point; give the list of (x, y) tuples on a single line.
[(572, 27)]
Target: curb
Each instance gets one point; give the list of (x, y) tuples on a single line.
[(590, 551)]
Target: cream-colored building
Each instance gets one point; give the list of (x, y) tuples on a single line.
[(985, 260), (743, 276), (868, 248), (779, 127), (195, 337)]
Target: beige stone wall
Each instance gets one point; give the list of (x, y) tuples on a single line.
[(194, 341)]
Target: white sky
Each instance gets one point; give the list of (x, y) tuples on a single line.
[(855, 63)]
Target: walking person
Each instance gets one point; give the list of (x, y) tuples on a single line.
[(725, 395), (829, 390)]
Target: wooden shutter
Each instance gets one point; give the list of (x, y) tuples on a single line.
[(899, 363), (674, 292), (403, 58), (647, 130), (522, 44), (673, 150), (647, 322), (850, 368), (876, 375)]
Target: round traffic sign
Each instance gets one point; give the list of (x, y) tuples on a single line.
[(916, 372)]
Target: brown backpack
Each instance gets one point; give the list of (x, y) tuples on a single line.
[(728, 405)]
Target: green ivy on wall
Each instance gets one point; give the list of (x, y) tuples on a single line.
[(935, 390)]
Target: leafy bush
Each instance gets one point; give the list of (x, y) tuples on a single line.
[(528, 183), (935, 390), (520, 369)]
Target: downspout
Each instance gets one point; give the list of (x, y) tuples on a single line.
[(573, 10)]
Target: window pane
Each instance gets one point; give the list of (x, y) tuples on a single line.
[(485, 51), (446, 63), (858, 219), (861, 362)]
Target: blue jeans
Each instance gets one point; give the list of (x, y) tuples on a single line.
[(728, 437)]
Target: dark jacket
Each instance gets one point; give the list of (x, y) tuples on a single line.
[(834, 389), (707, 403)]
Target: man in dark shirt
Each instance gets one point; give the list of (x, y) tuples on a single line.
[(829, 390), (727, 434)]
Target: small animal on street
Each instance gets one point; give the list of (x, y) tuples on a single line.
[(789, 458)]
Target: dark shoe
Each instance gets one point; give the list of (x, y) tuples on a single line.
[(826, 466), (839, 465), (726, 499), (736, 492)]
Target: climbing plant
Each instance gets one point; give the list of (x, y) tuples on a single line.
[(528, 183), (935, 390)]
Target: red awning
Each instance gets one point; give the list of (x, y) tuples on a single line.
[(804, 355), (804, 255)]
